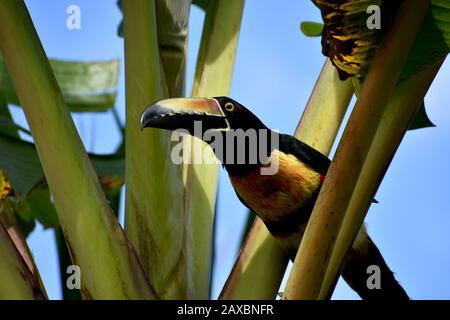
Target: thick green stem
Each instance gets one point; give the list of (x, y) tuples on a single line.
[(154, 214), (318, 242), (170, 223), (399, 113), (109, 266), (213, 77)]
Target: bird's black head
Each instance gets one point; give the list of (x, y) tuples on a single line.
[(238, 116), (220, 114)]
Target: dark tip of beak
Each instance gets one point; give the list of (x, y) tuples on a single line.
[(144, 117), (152, 113)]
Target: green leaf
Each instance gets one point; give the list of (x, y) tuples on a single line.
[(311, 29), (21, 164), (38, 204), (433, 39), (6, 123), (6, 119), (86, 86), (26, 222), (421, 119)]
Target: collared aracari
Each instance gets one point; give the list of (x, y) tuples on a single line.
[(284, 200)]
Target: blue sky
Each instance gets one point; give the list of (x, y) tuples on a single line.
[(275, 71)]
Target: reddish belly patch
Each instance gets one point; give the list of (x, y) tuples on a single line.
[(273, 196)]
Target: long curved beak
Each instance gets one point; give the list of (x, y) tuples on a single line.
[(184, 113)]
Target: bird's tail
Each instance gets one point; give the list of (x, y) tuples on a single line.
[(367, 273)]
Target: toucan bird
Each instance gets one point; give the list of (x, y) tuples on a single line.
[(275, 175)]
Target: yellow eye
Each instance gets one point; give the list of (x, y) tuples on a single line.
[(229, 107)]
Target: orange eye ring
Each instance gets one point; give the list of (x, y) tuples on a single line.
[(229, 107)]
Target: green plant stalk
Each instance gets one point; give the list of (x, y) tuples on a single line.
[(395, 122), (18, 281), (259, 268), (109, 266), (86, 86), (261, 264), (172, 19), (212, 255), (213, 77), (180, 229), (315, 250), (154, 213), (218, 46), (9, 222)]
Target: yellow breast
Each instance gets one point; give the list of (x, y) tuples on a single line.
[(274, 196)]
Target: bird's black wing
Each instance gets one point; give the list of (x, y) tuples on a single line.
[(308, 155)]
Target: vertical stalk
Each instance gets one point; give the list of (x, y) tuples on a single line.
[(174, 217), (213, 77), (313, 257), (400, 111), (109, 267), (154, 214)]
